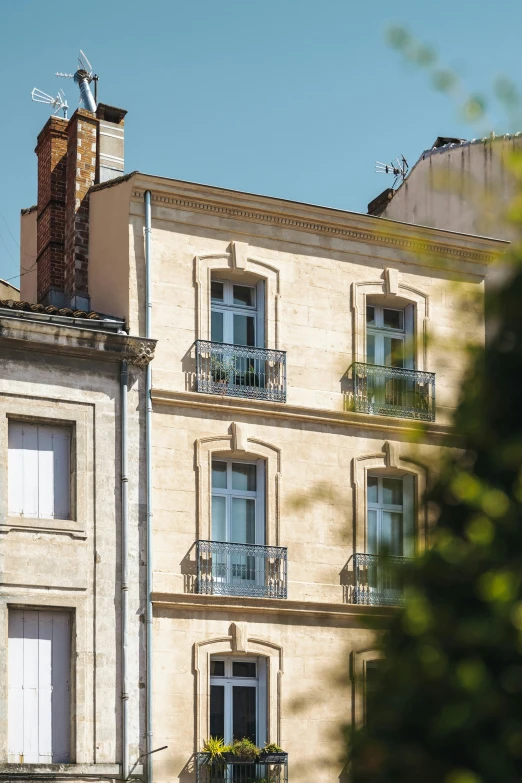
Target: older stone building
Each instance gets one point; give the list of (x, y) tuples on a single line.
[(308, 361)]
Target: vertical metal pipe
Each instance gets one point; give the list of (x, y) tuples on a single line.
[(148, 458), (124, 380)]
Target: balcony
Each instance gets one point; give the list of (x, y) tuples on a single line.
[(241, 569), (208, 771), (393, 391), (378, 580), (240, 371)]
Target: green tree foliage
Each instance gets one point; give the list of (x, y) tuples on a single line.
[(447, 704)]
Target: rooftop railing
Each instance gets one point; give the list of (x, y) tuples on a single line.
[(378, 580), (238, 771), (240, 371), (241, 569), (393, 391)]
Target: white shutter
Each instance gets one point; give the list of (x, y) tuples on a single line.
[(39, 471), (61, 667), (260, 503), (262, 703), (409, 328), (15, 665), (39, 666), (408, 510), (260, 306), (15, 469)]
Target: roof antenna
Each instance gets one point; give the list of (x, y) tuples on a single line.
[(59, 103), (83, 78), (398, 167)]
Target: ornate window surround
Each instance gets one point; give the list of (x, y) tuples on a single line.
[(387, 461), (360, 659), (239, 641), (238, 445), (389, 286), (239, 259)]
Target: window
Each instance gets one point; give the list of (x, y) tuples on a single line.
[(39, 663), (39, 471), (238, 699), (238, 490), (389, 336), (389, 515), (237, 313)]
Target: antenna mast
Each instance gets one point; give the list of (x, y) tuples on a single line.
[(83, 78), (398, 167)]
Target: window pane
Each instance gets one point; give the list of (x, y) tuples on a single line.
[(219, 474), (217, 669), (372, 532), (219, 520), (243, 295), (243, 669), (393, 352), (243, 477), (244, 712), (391, 534), (370, 314), (216, 327), (372, 489), (243, 527), (393, 319), (244, 330), (370, 349), (392, 492), (217, 711), (216, 291)]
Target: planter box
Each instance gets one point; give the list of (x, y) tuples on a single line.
[(272, 758)]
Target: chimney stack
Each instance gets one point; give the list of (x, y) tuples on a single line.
[(72, 156), (51, 150)]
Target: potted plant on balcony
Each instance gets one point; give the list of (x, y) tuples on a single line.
[(248, 377), (220, 372), (272, 754), (245, 750), (216, 749)]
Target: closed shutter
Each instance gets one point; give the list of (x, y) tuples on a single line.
[(39, 686), (260, 302), (39, 471), (408, 500), (409, 328)]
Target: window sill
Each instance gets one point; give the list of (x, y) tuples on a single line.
[(68, 527), (72, 770)]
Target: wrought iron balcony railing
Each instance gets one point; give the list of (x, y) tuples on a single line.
[(378, 580), (237, 771), (393, 391), (241, 569), (240, 371)]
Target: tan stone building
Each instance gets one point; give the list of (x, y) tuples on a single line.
[(308, 361)]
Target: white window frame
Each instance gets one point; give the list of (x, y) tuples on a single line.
[(39, 673), (379, 331), (229, 309), (258, 496), (406, 509), (228, 681), (32, 483)]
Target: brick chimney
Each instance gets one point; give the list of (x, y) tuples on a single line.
[(81, 172), (51, 150), (72, 156)]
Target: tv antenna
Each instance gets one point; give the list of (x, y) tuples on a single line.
[(398, 167), (83, 78), (59, 103)]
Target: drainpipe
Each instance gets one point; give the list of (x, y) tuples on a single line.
[(148, 458), (124, 572)]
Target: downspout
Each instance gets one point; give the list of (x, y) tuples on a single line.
[(148, 459), (124, 380)]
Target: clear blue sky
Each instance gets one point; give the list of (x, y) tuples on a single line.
[(289, 98)]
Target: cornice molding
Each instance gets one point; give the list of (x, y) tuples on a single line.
[(361, 422), (410, 238), (33, 335), (307, 609)]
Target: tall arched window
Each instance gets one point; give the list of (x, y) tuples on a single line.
[(238, 698)]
